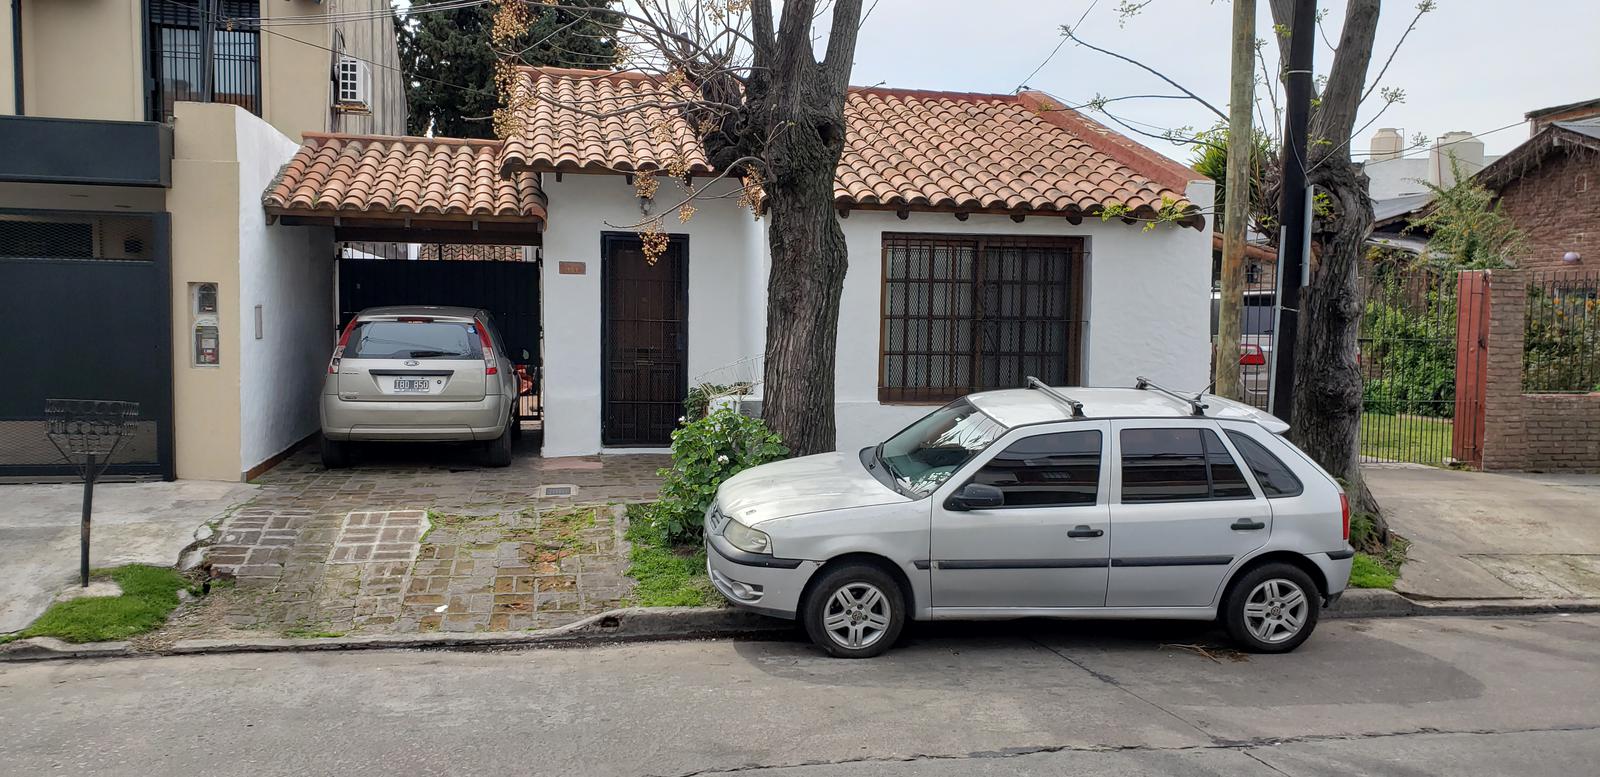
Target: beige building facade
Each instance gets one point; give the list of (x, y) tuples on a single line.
[(107, 118)]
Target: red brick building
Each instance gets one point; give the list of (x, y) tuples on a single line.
[(1550, 187)]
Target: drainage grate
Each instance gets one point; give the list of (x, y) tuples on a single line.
[(563, 490)]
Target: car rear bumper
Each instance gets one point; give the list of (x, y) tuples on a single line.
[(760, 584), (484, 419), (1335, 569)]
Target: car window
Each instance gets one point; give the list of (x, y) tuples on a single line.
[(413, 340), (926, 453), (1178, 465), (1047, 470), (1275, 477)]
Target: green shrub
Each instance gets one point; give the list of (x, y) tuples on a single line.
[(1408, 352), (668, 575), (705, 452)]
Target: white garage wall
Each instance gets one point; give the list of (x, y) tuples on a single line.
[(723, 268), (288, 271), (1147, 302)]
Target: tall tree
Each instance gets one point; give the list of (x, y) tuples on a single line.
[(770, 112), (449, 58)]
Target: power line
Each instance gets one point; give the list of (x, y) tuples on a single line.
[(1057, 49)]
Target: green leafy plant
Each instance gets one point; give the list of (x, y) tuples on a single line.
[(668, 575), (1561, 339), (1466, 228), (1408, 350), (705, 452)]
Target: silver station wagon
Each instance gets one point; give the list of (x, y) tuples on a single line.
[(419, 373), (1042, 502)]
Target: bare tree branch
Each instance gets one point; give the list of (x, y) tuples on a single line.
[(1067, 31)]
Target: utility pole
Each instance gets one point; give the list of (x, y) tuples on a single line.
[(1294, 210), (1236, 205)]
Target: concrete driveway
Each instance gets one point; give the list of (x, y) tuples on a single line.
[(1481, 535), (147, 523)]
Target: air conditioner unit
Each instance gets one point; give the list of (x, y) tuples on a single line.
[(354, 92)]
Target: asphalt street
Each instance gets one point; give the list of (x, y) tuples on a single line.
[(1418, 696)]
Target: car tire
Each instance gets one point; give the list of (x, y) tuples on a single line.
[(497, 452), (855, 611), (335, 454), (1272, 608)]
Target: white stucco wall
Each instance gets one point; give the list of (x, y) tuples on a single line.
[(1147, 302), (721, 274), (288, 271), (1147, 299)]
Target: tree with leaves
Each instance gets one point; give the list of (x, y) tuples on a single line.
[(449, 58), (1466, 228)]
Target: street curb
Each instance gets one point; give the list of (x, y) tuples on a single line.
[(647, 624), (1381, 603), (634, 624)]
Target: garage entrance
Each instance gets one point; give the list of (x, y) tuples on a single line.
[(86, 311), (505, 284)]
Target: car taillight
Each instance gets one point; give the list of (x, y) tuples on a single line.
[(1252, 356), (1344, 512), (489, 367), (338, 350)]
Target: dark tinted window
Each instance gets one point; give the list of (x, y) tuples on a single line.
[(1227, 481), (413, 340), (1163, 465), (1047, 470), (1178, 465), (1275, 477)]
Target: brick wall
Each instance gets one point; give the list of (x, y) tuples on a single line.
[(1529, 431), (1558, 205)]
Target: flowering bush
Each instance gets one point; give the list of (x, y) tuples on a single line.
[(705, 452)]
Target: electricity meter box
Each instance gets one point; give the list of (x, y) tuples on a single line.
[(203, 322)]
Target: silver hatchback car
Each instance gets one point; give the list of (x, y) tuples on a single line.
[(419, 373), (1061, 503)]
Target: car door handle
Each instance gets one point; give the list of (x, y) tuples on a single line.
[(1084, 531), (1245, 524)]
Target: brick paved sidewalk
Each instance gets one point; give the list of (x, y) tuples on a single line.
[(418, 542)]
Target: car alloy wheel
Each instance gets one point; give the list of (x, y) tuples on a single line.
[(857, 615), (1275, 611)]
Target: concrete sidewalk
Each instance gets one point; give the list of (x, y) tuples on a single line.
[(1479, 535), (146, 523)]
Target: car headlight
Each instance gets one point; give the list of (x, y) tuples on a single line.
[(746, 539)]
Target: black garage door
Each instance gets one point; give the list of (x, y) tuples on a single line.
[(508, 290), (85, 313)]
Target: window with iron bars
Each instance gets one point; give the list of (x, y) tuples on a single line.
[(970, 313), (177, 54)]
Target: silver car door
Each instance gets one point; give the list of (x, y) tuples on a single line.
[(1182, 511), (1048, 544)]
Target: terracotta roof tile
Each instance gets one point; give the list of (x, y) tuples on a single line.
[(903, 148), (350, 175)]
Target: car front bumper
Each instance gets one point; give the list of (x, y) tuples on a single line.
[(484, 419), (763, 584)]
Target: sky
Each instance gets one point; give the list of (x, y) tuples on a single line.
[(1473, 65)]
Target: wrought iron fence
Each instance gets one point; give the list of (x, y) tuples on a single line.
[(1561, 344), (1407, 357), (178, 53)]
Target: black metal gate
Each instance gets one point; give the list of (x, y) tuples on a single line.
[(508, 290), (1408, 365), (85, 313)]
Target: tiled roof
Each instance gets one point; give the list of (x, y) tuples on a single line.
[(401, 177), (1022, 153)]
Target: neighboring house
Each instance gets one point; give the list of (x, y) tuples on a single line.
[(977, 253), (134, 143), (1550, 187)]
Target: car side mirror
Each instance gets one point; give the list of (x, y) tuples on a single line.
[(975, 496)]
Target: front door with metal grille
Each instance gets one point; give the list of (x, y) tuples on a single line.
[(645, 341), (85, 313)]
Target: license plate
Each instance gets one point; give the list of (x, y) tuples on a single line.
[(411, 385)]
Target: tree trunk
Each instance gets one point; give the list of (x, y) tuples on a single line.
[(800, 103), (1327, 400)]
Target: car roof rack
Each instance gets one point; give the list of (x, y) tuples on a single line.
[(1044, 388), (1196, 406)]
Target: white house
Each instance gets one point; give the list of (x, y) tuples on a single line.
[(977, 252)]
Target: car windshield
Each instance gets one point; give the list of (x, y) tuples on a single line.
[(413, 340), (927, 452)]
